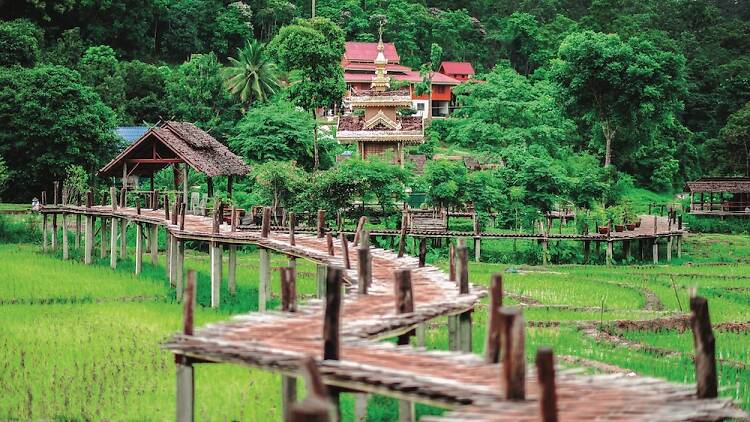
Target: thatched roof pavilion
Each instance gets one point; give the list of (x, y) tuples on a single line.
[(732, 195), (181, 145)]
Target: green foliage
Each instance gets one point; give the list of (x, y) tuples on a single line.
[(144, 92), (279, 182), (196, 93), (234, 28), (251, 76), (613, 84), (19, 43), (67, 50), (275, 131), (736, 133), (76, 178), (100, 70), (4, 176), (379, 180), (51, 120), (445, 181)]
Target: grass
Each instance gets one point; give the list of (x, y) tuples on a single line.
[(84, 342)]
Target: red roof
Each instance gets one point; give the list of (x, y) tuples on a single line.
[(367, 51), (397, 68), (410, 76), (457, 68)]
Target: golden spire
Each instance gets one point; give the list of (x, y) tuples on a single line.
[(380, 82)]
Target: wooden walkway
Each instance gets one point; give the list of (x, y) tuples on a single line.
[(462, 382)]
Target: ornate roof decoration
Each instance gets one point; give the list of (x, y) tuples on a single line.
[(381, 119), (352, 129), (380, 82)]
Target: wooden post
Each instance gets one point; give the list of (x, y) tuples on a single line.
[(422, 251), (320, 275), (174, 277), (139, 248), (44, 232), (655, 250), (514, 361), (183, 211), (329, 243), (360, 407), (102, 238), (265, 225), (210, 186), (78, 232), (451, 262), (464, 319), (705, 349), (292, 225), (331, 344), (321, 222), (316, 407), (586, 251), (679, 246), (669, 248), (360, 227), (232, 267), (453, 341), (124, 238), (345, 251), (168, 257), (404, 298), (364, 269), (185, 376), (65, 247), (626, 249), (288, 289), (492, 346), (233, 219), (55, 189), (477, 248), (215, 250), (113, 242), (179, 265), (264, 279), (154, 245), (166, 207), (54, 232), (545, 370), (545, 251), (402, 234), (610, 252)]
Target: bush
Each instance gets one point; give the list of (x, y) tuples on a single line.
[(710, 224)]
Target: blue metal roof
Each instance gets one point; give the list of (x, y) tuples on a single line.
[(131, 133)]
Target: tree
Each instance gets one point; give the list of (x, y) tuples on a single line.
[(312, 50), (4, 175), (379, 180), (251, 76), (196, 93), (51, 120), (190, 27), (67, 50), (19, 43), (234, 27), (276, 131), (101, 70), (737, 134), (145, 92), (615, 84), (445, 183), (279, 182)]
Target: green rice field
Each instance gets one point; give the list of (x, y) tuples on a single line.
[(84, 342)]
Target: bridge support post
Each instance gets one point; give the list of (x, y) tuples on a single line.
[(232, 269), (65, 246), (463, 320), (288, 395), (139, 248), (626, 249), (679, 246), (154, 244), (88, 241), (477, 248), (215, 250), (420, 333), (78, 231), (54, 232), (360, 407), (172, 257), (655, 249), (185, 372), (669, 249), (44, 232), (124, 239), (265, 278), (102, 238), (113, 243), (179, 266), (321, 272), (453, 332), (406, 411), (168, 258), (586, 251), (610, 252), (422, 251), (545, 252)]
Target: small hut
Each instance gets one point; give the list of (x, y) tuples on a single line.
[(182, 146), (719, 196)]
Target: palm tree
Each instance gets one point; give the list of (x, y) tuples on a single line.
[(251, 76)]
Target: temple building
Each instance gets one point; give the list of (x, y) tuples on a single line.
[(359, 67), (375, 125)]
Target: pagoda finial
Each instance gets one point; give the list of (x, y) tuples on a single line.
[(380, 82)]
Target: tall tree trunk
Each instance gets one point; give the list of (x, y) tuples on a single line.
[(316, 159), (609, 135)]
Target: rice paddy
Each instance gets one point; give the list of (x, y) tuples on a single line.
[(84, 342)]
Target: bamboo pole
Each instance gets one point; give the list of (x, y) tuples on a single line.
[(492, 347)]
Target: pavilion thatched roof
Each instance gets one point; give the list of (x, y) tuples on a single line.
[(177, 142), (720, 184)]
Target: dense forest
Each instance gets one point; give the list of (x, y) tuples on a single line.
[(579, 97)]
